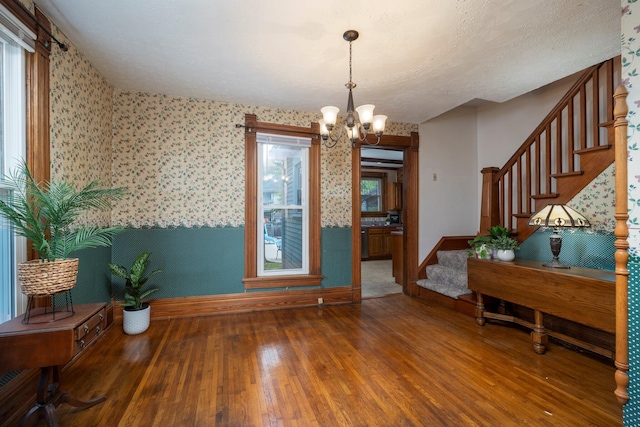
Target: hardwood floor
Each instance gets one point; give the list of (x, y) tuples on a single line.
[(389, 361)]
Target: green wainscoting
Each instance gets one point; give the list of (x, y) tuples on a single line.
[(579, 248), (94, 278), (336, 257), (196, 261)]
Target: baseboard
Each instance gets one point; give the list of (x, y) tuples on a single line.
[(171, 308), (436, 298), (465, 304)]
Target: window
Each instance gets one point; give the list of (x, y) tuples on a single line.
[(12, 151), (372, 192), (282, 205), (283, 181)]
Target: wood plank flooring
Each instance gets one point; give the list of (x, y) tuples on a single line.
[(389, 361)]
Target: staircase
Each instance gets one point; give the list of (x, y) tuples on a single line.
[(449, 276), (570, 148)]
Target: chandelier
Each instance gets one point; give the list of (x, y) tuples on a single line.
[(356, 131)]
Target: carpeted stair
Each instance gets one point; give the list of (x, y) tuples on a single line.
[(449, 276)]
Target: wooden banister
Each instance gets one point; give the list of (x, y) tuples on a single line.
[(561, 156)]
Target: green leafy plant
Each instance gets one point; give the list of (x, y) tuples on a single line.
[(505, 243), (47, 213), (480, 245), (134, 280), (498, 231)]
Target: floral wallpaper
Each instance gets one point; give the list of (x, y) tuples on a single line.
[(630, 50), (182, 160), (630, 65), (597, 202), (80, 118)]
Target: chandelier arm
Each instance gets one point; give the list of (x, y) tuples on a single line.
[(330, 144)]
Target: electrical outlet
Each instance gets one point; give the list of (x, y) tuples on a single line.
[(320, 300), (435, 176)]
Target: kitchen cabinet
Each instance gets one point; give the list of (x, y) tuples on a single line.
[(379, 242), (394, 196)]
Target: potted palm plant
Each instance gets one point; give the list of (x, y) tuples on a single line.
[(137, 313), (48, 215)]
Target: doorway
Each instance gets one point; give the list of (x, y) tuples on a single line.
[(408, 146), (381, 171)]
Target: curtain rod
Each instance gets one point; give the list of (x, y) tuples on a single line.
[(254, 128), (61, 45)]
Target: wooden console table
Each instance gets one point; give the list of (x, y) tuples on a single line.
[(49, 346), (582, 295)]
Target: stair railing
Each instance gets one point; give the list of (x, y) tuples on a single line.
[(580, 123)]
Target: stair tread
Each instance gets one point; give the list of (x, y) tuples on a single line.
[(567, 174), (453, 258), (443, 288), (545, 196), (592, 149)]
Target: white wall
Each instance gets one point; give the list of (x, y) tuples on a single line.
[(448, 149), (502, 128)]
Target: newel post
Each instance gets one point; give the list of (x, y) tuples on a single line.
[(622, 245), (490, 206)]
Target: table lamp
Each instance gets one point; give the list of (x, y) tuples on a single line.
[(557, 216)]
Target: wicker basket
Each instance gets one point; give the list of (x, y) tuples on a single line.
[(38, 278)]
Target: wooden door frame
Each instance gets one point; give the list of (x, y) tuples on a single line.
[(410, 148)]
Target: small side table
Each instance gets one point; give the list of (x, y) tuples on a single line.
[(49, 346)]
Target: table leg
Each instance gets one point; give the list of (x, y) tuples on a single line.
[(538, 335), (49, 398), (480, 320)]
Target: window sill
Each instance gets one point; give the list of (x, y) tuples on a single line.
[(281, 281)]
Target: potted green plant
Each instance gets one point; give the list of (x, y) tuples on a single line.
[(506, 247), (137, 313), (498, 230), (480, 246), (48, 215)]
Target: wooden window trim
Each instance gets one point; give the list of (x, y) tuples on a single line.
[(38, 155), (383, 194), (251, 279)]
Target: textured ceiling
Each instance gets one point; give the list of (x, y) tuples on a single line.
[(415, 59)]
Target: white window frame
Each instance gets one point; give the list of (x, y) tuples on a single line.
[(304, 206), (14, 131)]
